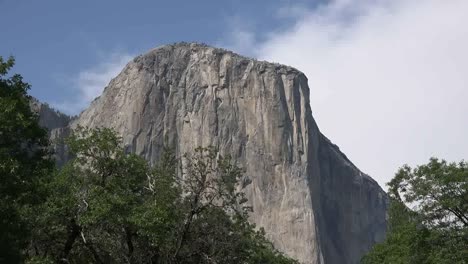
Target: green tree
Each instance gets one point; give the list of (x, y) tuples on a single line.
[(428, 215), (24, 163), (99, 201), (214, 226), (109, 206)]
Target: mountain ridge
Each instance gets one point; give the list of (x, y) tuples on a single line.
[(314, 203)]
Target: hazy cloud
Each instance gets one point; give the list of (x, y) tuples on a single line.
[(89, 83), (388, 78), (240, 37)]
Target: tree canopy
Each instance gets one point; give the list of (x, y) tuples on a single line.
[(428, 215), (24, 162), (109, 206)]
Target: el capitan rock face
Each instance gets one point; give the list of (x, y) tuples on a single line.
[(314, 204)]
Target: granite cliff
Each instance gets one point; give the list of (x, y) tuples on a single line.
[(314, 204)]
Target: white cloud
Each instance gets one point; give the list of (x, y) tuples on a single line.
[(240, 37), (241, 40), (388, 78), (89, 83)]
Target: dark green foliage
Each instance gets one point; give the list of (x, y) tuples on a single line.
[(24, 163), (215, 227), (108, 206), (440, 190), (428, 217)]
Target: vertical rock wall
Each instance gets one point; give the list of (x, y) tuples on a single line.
[(313, 202)]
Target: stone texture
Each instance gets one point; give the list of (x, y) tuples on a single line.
[(314, 204), (49, 118), (57, 124)]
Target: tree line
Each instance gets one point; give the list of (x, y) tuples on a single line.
[(428, 216), (109, 206)]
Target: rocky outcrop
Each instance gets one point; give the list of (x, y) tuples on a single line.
[(313, 202), (57, 125)]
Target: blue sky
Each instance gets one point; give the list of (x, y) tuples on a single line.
[(388, 78), (54, 40)]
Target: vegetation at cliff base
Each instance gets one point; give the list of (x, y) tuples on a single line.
[(106, 205), (109, 206), (24, 164), (428, 216)]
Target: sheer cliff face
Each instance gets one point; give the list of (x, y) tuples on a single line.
[(58, 126), (313, 202)]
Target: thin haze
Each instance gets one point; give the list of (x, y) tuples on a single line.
[(89, 83), (388, 79)]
